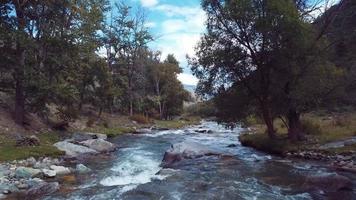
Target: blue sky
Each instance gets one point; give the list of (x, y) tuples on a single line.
[(177, 26)]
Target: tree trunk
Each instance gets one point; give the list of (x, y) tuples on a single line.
[(19, 93), (20, 67), (268, 119), (131, 107), (295, 131)]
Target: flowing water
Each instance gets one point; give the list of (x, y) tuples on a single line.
[(132, 172)]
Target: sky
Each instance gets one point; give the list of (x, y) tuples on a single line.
[(177, 26)]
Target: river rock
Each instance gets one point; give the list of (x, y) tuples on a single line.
[(328, 182), (26, 172), (74, 150), (42, 189), (49, 173), (99, 145), (7, 188), (143, 131), (60, 170), (34, 182), (80, 168), (185, 150), (22, 186), (79, 137)]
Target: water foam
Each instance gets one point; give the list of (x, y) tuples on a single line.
[(134, 168)]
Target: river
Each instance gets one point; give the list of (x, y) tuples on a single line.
[(131, 173)]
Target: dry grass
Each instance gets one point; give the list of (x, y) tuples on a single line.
[(320, 129)]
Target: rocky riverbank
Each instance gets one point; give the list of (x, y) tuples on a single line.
[(338, 161), (37, 177)]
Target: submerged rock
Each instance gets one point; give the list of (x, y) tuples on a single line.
[(74, 149), (80, 168), (185, 150), (42, 189), (99, 145), (7, 188), (328, 183)]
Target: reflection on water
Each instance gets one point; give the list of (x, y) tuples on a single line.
[(135, 172)]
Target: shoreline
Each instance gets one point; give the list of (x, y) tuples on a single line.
[(345, 161), (35, 177)]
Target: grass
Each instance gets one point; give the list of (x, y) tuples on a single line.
[(8, 150), (113, 131), (320, 128)]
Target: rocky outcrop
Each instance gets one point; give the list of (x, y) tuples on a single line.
[(74, 150), (99, 145), (185, 150), (328, 183)]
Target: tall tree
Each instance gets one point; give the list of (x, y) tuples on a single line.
[(128, 37), (252, 51)]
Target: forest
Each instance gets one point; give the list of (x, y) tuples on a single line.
[(60, 56)]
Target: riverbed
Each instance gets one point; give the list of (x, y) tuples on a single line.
[(134, 173)]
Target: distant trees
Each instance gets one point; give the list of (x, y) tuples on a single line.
[(265, 58), (49, 52)]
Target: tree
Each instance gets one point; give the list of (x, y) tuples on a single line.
[(253, 53), (127, 44)]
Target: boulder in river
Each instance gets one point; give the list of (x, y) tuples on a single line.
[(49, 173), (60, 170), (74, 150), (328, 183), (185, 150), (99, 145), (42, 189)]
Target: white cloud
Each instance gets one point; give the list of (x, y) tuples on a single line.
[(149, 3), (173, 25), (181, 31), (172, 10), (187, 79)]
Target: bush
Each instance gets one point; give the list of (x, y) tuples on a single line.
[(342, 121), (140, 119), (310, 127)]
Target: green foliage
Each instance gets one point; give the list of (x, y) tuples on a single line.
[(50, 56), (202, 109)]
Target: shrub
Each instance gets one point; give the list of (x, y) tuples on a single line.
[(342, 121), (310, 127)]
